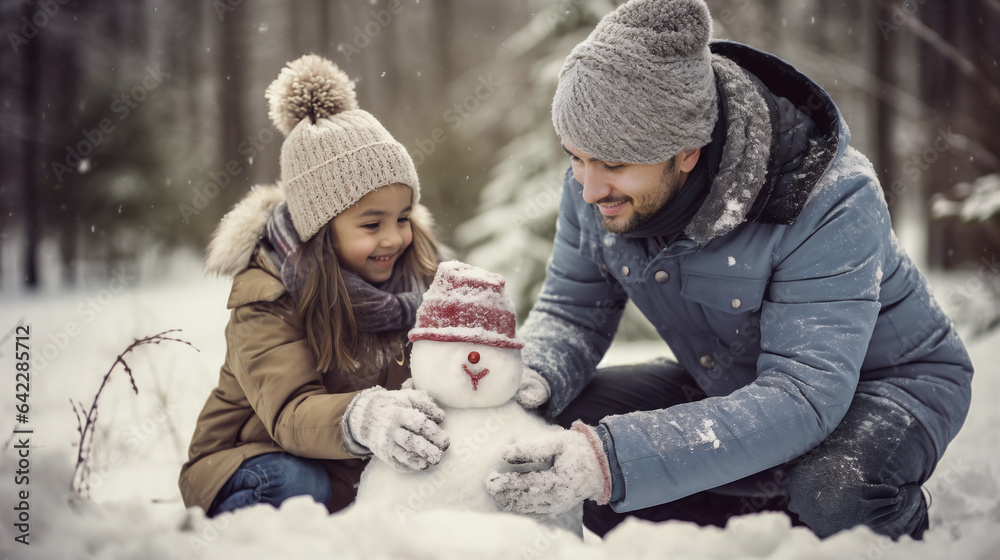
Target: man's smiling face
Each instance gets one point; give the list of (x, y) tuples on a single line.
[(629, 194)]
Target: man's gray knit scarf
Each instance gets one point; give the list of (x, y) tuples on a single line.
[(745, 156)]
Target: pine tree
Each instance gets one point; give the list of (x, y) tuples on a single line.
[(514, 227)]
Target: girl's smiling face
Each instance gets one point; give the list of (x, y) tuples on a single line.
[(372, 234)]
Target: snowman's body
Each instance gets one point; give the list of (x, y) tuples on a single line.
[(474, 384), (478, 436)]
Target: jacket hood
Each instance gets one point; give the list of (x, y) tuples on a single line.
[(782, 133), (239, 232), (235, 240)]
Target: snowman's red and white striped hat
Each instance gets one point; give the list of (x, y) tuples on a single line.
[(466, 304)]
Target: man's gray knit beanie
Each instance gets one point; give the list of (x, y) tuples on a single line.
[(640, 88)]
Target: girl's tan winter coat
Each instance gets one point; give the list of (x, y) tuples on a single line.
[(270, 397)]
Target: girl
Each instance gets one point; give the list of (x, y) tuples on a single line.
[(328, 267)]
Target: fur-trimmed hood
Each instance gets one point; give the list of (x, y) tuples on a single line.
[(234, 241), (239, 232)]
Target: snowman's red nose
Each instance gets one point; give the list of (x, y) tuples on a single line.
[(473, 357)]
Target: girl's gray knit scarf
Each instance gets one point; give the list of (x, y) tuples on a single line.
[(390, 306)]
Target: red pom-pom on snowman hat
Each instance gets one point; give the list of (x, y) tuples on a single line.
[(467, 304)]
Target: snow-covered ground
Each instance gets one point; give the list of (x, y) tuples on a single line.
[(141, 442)]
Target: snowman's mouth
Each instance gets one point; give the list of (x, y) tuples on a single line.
[(475, 377)]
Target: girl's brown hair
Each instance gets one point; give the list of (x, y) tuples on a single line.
[(324, 304)]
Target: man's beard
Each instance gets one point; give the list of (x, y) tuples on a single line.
[(670, 185)]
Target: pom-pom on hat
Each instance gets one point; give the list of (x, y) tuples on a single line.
[(466, 304), (640, 88), (334, 153)]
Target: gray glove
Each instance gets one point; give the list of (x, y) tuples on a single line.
[(377, 310), (534, 389), (399, 427), (572, 468)]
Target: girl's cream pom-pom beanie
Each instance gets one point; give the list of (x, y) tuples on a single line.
[(334, 153)]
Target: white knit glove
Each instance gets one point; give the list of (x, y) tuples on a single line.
[(399, 427), (573, 468), (534, 389)]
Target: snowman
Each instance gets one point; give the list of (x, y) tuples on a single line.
[(466, 357)]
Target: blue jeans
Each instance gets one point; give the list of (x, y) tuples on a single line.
[(271, 479), (869, 471)]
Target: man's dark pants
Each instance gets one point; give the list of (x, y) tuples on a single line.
[(869, 471)]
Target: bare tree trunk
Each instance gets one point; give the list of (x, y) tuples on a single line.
[(304, 20), (962, 85), (62, 219), (885, 56), (323, 16), (444, 26), (234, 59), (30, 182)]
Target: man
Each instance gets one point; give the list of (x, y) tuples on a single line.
[(713, 185)]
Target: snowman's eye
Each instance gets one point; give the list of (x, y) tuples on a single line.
[(473, 357)]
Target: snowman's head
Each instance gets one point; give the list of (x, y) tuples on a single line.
[(464, 349), (464, 375)]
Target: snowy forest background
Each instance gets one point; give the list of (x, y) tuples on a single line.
[(466, 86), (129, 127)]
